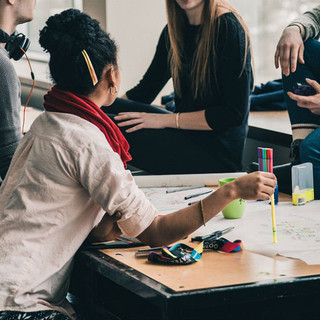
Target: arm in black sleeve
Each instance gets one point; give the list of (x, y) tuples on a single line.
[(156, 76), (234, 87)]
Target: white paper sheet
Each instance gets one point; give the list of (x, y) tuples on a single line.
[(183, 180), (298, 228), (170, 202)]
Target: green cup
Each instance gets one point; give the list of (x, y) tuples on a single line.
[(235, 209)]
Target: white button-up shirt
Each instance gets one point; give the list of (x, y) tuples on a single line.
[(63, 177)]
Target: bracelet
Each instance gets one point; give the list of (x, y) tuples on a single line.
[(177, 120), (295, 25), (202, 213)]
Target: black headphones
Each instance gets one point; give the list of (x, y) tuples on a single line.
[(15, 44)]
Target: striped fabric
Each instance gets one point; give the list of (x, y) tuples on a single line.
[(37, 315)]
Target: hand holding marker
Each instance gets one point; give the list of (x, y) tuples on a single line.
[(265, 158)]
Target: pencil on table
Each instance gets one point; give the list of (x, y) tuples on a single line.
[(197, 195), (185, 188)]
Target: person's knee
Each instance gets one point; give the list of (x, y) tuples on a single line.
[(311, 50), (309, 150)]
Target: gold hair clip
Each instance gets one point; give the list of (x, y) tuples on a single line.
[(90, 67)]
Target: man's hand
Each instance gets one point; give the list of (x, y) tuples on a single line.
[(289, 50), (309, 102)]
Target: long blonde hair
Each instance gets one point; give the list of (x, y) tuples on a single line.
[(205, 59)]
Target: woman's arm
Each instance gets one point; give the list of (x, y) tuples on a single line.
[(141, 120), (172, 227), (175, 226), (234, 83), (232, 91), (107, 229)]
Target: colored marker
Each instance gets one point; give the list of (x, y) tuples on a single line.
[(265, 159)]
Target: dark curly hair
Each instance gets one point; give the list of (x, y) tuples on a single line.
[(65, 35)]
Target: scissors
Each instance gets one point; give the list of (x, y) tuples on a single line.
[(212, 241), (212, 236)]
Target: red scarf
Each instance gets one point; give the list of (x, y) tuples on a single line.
[(57, 100)]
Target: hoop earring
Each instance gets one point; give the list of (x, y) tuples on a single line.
[(115, 90)]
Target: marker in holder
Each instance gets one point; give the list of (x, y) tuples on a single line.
[(265, 158), (302, 184), (265, 162)]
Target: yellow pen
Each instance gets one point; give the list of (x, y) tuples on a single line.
[(274, 231)]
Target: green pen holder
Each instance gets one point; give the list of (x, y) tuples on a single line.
[(235, 209)]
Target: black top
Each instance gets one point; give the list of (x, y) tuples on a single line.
[(227, 105)]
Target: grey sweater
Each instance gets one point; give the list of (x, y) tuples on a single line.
[(10, 103), (311, 21)]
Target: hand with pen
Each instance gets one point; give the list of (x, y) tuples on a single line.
[(167, 229), (172, 227), (254, 186)]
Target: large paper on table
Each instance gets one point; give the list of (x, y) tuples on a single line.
[(297, 226), (297, 230)]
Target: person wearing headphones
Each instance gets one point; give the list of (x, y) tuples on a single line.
[(12, 13), (67, 179)]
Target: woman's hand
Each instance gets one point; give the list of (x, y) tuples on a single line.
[(289, 50), (309, 102), (143, 120), (256, 185), (176, 225), (107, 229)]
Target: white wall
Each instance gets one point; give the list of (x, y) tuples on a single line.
[(136, 26)]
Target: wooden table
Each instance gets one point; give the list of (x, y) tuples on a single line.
[(241, 285), (270, 126)]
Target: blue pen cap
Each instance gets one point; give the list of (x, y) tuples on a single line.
[(276, 195)]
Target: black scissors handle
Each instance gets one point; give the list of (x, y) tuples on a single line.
[(213, 235)]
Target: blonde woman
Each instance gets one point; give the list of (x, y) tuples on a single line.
[(205, 49)]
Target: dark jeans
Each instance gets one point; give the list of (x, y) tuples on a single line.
[(171, 151), (303, 119)]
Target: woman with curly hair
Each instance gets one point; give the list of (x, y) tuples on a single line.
[(68, 181)]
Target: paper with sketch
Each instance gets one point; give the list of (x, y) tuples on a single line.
[(298, 227), (298, 230)]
